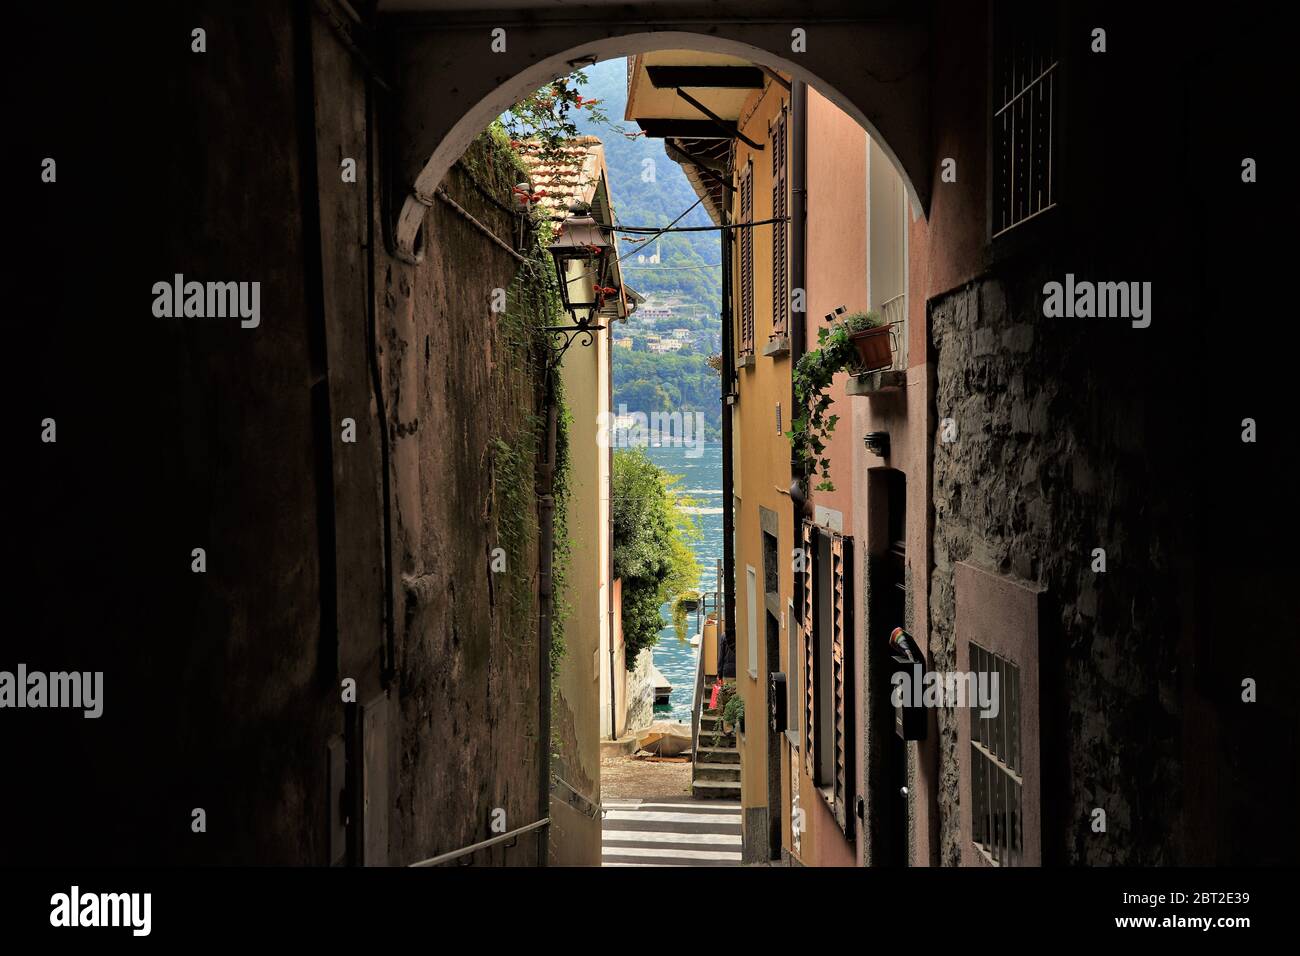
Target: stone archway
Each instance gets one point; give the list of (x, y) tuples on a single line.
[(452, 84)]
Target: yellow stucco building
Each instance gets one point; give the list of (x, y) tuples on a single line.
[(818, 224), (583, 678)]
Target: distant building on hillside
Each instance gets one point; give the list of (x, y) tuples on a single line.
[(656, 309), (652, 258)]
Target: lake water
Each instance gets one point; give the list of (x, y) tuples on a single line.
[(702, 481)]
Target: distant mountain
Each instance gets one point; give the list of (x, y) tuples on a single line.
[(649, 189)]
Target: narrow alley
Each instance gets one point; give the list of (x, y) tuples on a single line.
[(575, 434)]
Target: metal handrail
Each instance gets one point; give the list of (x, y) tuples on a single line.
[(580, 801), (483, 845), (698, 700)]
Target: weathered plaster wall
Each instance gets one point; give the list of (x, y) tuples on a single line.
[(222, 688), (467, 656), (173, 434), (576, 716)]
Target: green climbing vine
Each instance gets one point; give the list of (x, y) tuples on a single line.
[(813, 373), (532, 304)]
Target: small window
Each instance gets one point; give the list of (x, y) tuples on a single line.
[(1025, 68), (771, 573), (997, 825), (998, 626)]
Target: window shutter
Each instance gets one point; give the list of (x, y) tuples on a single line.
[(747, 259), (780, 268), (842, 677), (808, 604)]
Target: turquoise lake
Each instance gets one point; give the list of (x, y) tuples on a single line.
[(702, 481)]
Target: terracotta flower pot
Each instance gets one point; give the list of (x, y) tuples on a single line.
[(874, 349)]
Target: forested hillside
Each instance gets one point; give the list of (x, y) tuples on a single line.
[(689, 262), (646, 382), (689, 268)]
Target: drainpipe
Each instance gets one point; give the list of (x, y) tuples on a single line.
[(609, 494), (728, 476), (545, 599), (798, 247)]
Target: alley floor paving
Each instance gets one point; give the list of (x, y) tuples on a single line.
[(659, 832)]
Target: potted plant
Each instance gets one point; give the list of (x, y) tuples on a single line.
[(837, 349), (730, 705), (872, 339), (733, 714)]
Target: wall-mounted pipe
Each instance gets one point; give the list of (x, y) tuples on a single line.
[(728, 389)]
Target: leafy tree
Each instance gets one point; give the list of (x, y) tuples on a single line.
[(653, 538), (548, 118)]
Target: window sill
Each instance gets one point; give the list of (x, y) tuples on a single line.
[(777, 346), (877, 383), (745, 360)]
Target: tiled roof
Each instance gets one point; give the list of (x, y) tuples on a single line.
[(576, 177)]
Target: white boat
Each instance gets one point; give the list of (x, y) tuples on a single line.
[(665, 738)]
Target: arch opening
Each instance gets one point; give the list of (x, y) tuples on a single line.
[(875, 105)]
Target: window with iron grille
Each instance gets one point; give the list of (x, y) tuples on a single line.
[(996, 785), (747, 260), (780, 232), (1024, 111), (827, 624)]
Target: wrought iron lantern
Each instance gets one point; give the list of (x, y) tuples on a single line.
[(580, 239)]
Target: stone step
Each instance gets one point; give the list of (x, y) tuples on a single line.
[(717, 754), (715, 788), (708, 733), (716, 771)]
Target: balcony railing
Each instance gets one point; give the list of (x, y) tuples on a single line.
[(893, 312)]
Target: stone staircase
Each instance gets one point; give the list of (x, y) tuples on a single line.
[(716, 766)]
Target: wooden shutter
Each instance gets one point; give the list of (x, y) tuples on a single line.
[(780, 266), (807, 616), (747, 259), (842, 678)]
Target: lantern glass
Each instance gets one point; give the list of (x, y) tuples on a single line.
[(580, 239)]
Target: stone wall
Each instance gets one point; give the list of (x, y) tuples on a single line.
[(1054, 442), (641, 692), (458, 380)]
